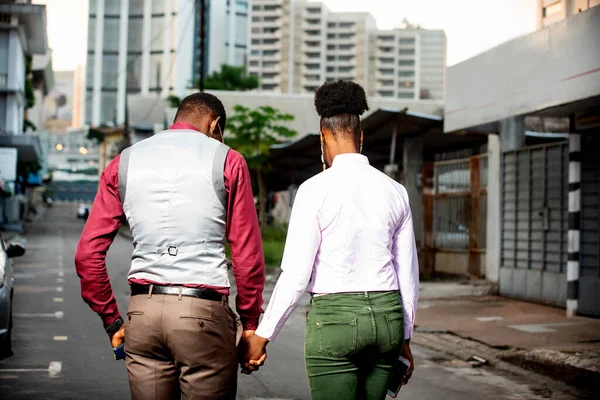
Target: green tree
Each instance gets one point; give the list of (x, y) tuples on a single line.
[(230, 78), (254, 132)]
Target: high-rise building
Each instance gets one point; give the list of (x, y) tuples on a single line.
[(408, 63), (551, 11), (297, 45), (152, 46)]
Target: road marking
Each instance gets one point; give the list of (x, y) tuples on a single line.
[(489, 319), (60, 280), (60, 338), (56, 314), (54, 369), (59, 289), (58, 300), (21, 275), (543, 328), (61, 274)]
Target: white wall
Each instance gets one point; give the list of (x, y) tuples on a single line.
[(552, 66)]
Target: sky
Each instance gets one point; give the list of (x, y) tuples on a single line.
[(472, 26)]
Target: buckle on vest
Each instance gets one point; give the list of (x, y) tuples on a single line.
[(172, 251)]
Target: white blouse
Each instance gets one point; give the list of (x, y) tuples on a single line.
[(351, 230)]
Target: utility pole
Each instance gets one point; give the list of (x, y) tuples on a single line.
[(202, 42)]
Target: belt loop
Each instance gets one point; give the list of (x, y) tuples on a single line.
[(180, 293), (150, 291)]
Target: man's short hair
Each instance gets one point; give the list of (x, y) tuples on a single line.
[(202, 103)]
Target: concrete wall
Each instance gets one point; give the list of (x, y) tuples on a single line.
[(456, 263), (552, 66)]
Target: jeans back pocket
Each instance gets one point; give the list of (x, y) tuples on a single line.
[(337, 339), (395, 323)]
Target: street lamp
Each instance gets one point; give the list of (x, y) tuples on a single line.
[(59, 147), (83, 150)]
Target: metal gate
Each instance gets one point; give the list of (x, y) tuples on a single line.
[(589, 251), (535, 223)]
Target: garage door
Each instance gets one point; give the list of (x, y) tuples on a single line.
[(589, 251), (535, 224)]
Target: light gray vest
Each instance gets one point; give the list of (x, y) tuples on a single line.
[(173, 193)]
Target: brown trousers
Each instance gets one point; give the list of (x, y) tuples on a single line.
[(181, 347)]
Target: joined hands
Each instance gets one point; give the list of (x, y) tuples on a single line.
[(252, 352)]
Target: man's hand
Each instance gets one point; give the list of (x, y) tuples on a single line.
[(117, 338), (252, 352), (407, 353)]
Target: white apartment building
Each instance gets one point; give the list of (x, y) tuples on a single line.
[(408, 63), (297, 45), (152, 46), (551, 11)]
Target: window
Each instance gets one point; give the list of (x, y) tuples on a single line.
[(253, 63), (269, 64), (346, 35), (158, 7), (270, 30), (331, 36), (552, 9), (136, 7), (406, 52), (331, 24), (330, 58), (313, 10), (406, 95), (255, 41), (407, 84), (241, 7), (255, 52), (330, 47), (255, 19), (406, 63), (346, 24), (346, 47), (346, 58), (406, 74), (110, 41), (270, 53), (110, 71), (135, 32), (330, 69), (410, 41), (112, 7)]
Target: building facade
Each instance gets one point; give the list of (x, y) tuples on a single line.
[(295, 46), (152, 46), (551, 11)]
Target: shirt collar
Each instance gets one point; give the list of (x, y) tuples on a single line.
[(184, 126), (348, 158)]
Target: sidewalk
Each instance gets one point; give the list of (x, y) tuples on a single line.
[(530, 335)]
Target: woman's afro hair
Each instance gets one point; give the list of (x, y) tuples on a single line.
[(341, 97)]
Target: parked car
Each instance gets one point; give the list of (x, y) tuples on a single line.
[(7, 280), (84, 210)]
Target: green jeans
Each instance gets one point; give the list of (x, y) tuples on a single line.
[(352, 343)]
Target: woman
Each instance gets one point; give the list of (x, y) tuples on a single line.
[(351, 245)]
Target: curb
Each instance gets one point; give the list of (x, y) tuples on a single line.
[(558, 365), (546, 367)]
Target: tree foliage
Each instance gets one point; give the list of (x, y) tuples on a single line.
[(254, 132), (230, 78)]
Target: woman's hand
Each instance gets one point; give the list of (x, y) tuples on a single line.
[(407, 353)]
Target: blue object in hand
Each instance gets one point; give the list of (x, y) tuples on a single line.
[(119, 352)]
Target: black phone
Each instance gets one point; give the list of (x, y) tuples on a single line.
[(119, 352), (398, 376)]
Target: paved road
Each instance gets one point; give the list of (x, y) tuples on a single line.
[(62, 352)]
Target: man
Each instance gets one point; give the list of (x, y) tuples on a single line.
[(183, 193)]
